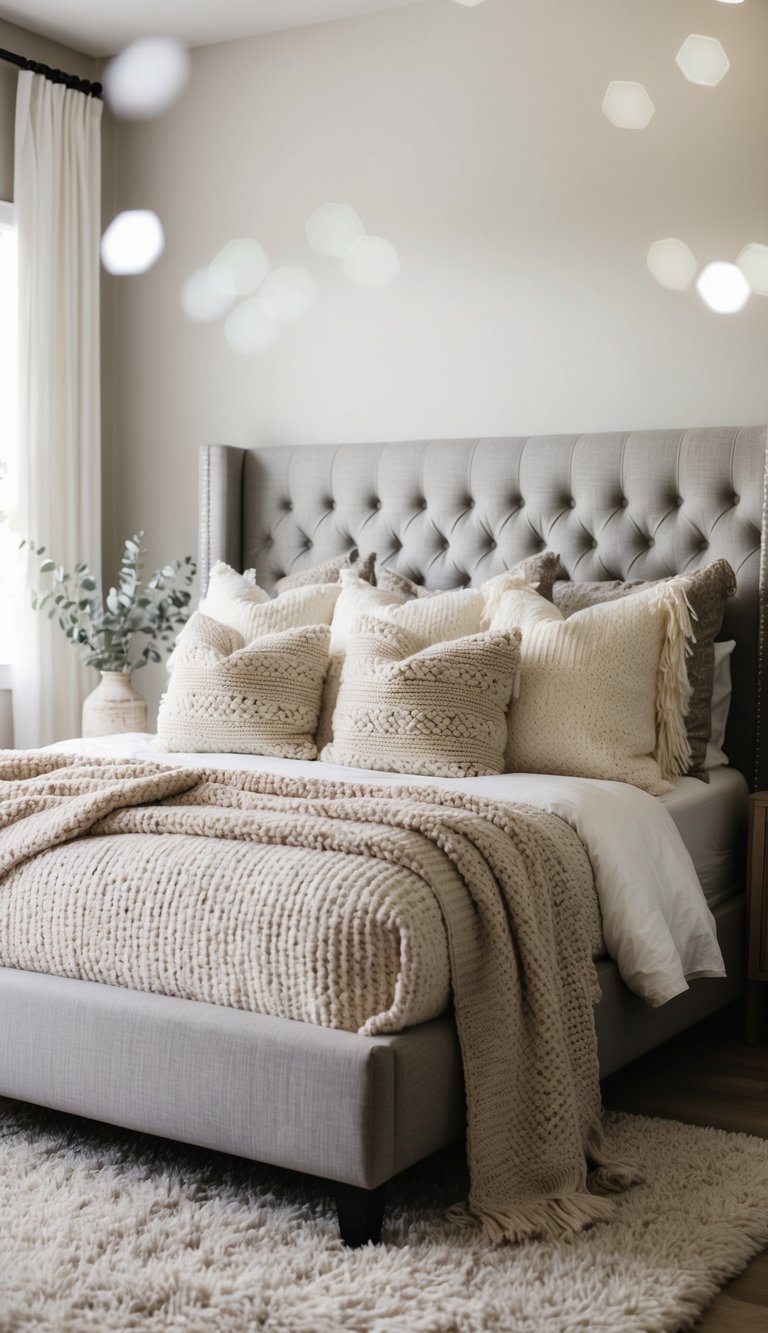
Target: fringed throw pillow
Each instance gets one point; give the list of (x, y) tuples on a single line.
[(710, 588), (604, 693)]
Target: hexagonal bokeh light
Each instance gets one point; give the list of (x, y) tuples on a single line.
[(703, 60), (238, 268), (723, 288), (333, 229), (289, 293), (146, 77), (201, 300), (672, 264), (133, 242), (372, 262), (251, 329), (753, 262), (627, 105)]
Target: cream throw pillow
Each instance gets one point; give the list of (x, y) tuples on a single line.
[(439, 710), (225, 696), (235, 601), (447, 615), (604, 693)]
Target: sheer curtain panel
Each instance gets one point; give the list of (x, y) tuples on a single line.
[(57, 198)]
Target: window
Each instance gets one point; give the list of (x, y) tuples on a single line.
[(8, 395)]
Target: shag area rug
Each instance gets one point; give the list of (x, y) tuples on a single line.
[(103, 1230)]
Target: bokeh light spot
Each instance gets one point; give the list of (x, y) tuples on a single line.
[(201, 300), (703, 60), (146, 77), (672, 264), (723, 288), (372, 262), (289, 293), (238, 268), (753, 262), (133, 242), (251, 329), (627, 105), (333, 229)]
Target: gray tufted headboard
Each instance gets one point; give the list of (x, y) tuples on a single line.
[(645, 504)]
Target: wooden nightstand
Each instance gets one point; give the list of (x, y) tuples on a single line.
[(757, 910)]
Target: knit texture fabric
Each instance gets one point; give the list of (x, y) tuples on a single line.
[(440, 710), (604, 693), (515, 890), (228, 696), (708, 593), (236, 602), (448, 615)]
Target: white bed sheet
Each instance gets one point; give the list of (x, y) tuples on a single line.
[(656, 922), (711, 818)]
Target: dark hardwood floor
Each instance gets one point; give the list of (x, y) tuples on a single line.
[(709, 1076)]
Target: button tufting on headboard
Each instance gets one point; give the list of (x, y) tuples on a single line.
[(641, 505)]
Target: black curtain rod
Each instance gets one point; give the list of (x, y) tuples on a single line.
[(55, 75)]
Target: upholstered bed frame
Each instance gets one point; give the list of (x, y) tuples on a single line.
[(358, 1110)]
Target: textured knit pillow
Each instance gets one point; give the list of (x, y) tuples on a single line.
[(326, 573), (225, 696), (440, 710), (708, 593), (538, 570), (241, 605), (604, 693), (448, 615)]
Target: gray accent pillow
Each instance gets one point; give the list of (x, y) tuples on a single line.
[(709, 590)]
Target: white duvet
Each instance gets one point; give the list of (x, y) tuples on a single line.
[(656, 922)]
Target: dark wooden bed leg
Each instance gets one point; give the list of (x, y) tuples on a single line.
[(360, 1214)]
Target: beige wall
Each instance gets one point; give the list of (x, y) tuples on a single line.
[(50, 53), (474, 140)]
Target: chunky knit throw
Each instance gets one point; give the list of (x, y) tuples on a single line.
[(514, 887)]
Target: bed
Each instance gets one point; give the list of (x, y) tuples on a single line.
[(358, 1110)]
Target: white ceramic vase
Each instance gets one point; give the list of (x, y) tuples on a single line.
[(115, 705)]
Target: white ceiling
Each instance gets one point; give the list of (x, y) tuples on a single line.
[(102, 27)]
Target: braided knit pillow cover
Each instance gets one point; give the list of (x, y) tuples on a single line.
[(226, 696), (448, 615), (604, 693), (242, 605), (439, 710)]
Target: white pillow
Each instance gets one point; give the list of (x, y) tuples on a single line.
[(243, 606), (603, 694), (228, 697), (721, 702)]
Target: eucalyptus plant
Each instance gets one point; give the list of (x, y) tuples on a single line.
[(109, 630)]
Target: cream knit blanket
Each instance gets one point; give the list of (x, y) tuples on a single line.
[(515, 889)]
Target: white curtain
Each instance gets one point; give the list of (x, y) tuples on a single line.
[(57, 202)]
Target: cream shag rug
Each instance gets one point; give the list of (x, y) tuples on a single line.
[(102, 1230)]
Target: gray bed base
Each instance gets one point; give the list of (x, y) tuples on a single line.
[(358, 1110)]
